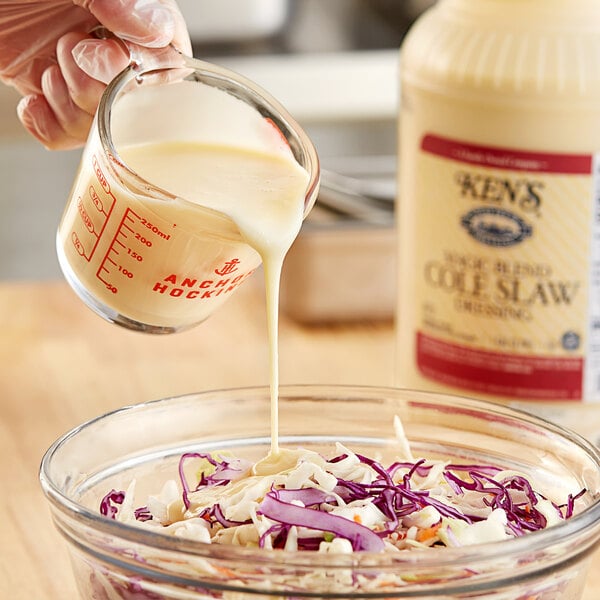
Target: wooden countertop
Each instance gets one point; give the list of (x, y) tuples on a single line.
[(60, 365)]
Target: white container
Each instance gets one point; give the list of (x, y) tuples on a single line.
[(233, 20), (499, 255)]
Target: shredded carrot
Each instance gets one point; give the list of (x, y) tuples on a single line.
[(225, 571), (357, 519), (427, 533)]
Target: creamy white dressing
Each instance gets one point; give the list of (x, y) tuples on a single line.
[(262, 192)]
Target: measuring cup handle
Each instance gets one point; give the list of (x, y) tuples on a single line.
[(145, 59)]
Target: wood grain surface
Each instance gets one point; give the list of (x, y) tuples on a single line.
[(60, 365)]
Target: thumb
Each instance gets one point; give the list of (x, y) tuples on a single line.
[(145, 22)]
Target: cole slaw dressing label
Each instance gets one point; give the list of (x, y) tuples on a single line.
[(508, 270)]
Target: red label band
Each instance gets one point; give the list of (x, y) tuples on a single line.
[(505, 158), (494, 373)]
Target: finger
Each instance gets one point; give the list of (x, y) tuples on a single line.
[(101, 60), (146, 22), (85, 91), (29, 31), (40, 121), (181, 38), (72, 119)]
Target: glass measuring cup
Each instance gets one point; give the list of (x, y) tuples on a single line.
[(139, 254)]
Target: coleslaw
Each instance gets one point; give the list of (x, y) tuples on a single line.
[(301, 500)]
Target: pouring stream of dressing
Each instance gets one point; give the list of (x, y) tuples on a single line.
[(263, 192)]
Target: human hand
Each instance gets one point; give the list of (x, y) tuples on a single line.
[(48, 53)]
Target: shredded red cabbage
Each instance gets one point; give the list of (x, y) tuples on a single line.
[(361, 537), (143, 514), (224, 472), (311, 508), (107, 504)]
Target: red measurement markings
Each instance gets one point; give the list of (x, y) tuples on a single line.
[(98, 201), (109, 264), (78, 245), (94, 209), (85, 217), (100, 175)]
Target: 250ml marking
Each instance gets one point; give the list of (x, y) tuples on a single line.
[(132, 239)]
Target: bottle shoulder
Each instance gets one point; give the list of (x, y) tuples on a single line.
[(488, 53)]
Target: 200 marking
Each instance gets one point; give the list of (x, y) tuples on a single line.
[(140, 238)]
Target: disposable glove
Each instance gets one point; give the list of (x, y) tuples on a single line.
[(50, 54)]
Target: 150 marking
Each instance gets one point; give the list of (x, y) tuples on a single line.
[(127, 248)]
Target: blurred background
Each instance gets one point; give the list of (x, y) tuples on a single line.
[(333, 64)]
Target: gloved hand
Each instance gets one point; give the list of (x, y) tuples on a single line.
[(50, 55)]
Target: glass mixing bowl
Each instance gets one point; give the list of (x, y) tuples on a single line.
[(112, 560)]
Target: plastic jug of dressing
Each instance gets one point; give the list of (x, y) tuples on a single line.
[(499, 205)]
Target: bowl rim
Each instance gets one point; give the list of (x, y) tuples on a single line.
[(536, 541)]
